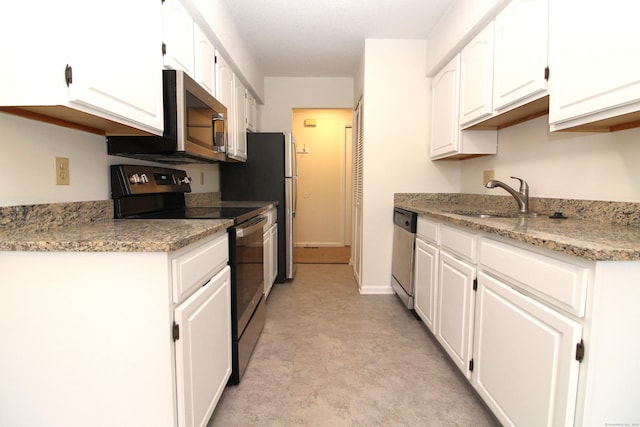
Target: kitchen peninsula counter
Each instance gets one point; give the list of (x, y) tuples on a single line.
[(89, 227), (139, 235), (597, 231)]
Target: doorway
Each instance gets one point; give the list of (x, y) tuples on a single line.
[(323, 216)]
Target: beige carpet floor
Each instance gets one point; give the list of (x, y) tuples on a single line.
[(329, 356)]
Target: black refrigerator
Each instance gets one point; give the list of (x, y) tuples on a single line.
[(269, 174)]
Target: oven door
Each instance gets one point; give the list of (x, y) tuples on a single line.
[(246, 256)]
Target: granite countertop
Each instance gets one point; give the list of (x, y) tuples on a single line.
[(90, 227), (139, 235), (584, 235)]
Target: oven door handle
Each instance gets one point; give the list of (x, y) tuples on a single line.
[(250, 226)]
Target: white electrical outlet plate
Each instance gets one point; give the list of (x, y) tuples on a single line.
[(62, 171), (488, 176)]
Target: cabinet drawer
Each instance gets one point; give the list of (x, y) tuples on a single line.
[(557, 282), (272, 217), (459, 242), (427, 229), (197, 264)]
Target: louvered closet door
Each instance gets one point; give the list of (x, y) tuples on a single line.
[(356, 246)]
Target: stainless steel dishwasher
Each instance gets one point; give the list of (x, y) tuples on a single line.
[(404, 240)]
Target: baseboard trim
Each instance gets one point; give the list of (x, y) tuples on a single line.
[(376, 290)]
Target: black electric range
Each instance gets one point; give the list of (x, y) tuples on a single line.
[(145, 192)]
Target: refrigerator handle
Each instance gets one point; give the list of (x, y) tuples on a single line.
[(294, 158), (295, 196)]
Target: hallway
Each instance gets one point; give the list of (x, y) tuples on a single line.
[(329, 356)]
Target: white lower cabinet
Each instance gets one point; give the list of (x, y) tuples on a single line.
[(455, 308), (274, 254), (270, 259), (524, 364), (546, 339), (100, 339), (203, 351), (425, 282)]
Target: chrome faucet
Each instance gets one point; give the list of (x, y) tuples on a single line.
[(521, 196)]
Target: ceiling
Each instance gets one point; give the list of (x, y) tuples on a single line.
[(325, 38)]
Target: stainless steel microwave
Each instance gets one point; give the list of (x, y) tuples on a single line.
[(195, 127)]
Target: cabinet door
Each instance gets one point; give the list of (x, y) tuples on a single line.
[(425, 282), (594, 72), (203, 350), (444, 110), (252, 113), (270, 258), (240, 152), (524, 357), (177, 31), (116, 60), (266, 260), (476, 77), (274, 254), (454, 311), (520, 54), (225, 93), (205, 60)]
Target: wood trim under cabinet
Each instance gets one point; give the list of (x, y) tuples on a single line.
[(60, 115)]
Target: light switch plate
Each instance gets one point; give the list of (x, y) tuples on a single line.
[(62, 170)]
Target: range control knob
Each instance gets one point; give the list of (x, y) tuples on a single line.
[(134, 179), (186, 180), (143, 178)]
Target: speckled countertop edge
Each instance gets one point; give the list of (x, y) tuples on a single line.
[(90, 227), (585, 238), (114, 236)]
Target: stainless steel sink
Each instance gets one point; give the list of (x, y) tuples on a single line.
[(488, 214)]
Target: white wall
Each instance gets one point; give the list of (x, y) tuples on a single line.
[(26, 164), (282, 94), (358, 81), (577, 165), (396, 128)]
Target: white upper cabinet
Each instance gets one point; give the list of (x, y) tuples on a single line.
[(204, 60), (104, 74), (594, 67), (225, 93), (252, 113), (444, 109), (240, 148), (520, 53), (476, 77), (178, 37), (447, 138)]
